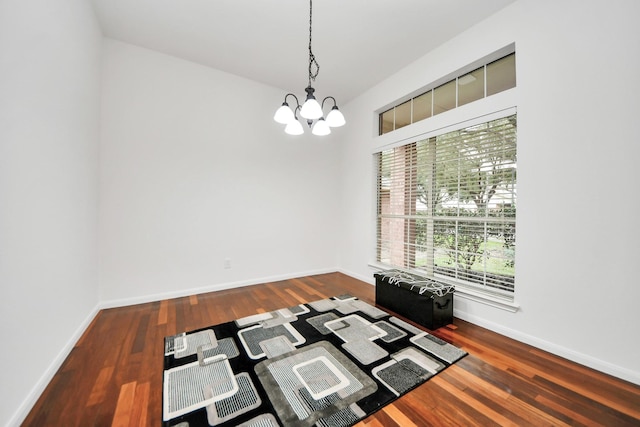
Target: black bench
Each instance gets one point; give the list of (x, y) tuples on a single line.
[(421, 300)]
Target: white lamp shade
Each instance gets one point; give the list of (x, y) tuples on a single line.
[(311, 109), (284, 114), (321, 128), (335, 118), (294, 127)]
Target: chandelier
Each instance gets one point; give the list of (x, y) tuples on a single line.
[(311, 110)]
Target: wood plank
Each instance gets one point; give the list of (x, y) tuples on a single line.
[(98, 391), (163, 314), (465, 397), (297, 297), (141, 333), (124, 406), (139, 411), (558, 406), (398, 417)]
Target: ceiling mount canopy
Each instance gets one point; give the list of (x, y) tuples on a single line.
[(312, 111)]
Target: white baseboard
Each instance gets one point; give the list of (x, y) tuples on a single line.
[(210, 288), (558, 350), (367, 279), (33, 396)]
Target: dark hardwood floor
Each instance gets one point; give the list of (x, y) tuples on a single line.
[(113, 375)]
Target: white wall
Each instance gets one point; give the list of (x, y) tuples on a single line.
[(49, 90), (191, 173), (194, 171), (578, 147)]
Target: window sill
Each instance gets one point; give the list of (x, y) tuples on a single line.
[(492, 301)]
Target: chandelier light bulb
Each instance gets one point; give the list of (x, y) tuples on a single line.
[(294, 127), (284, 114), (335, 118), (321, 128), (311, 108)]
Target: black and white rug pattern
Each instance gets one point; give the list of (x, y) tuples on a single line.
[(327, 363)]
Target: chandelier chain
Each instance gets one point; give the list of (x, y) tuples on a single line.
[(314, 67)]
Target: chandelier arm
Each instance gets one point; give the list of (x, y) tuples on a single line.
[(335, 104), (294, 96)]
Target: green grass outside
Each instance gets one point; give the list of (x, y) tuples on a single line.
[(498, 258)]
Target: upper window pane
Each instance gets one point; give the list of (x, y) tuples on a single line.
[(501, 74), (386, 122), (471, 87), (403, 114), (422, 106), (444, 97)]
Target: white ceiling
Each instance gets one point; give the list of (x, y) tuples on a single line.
[(357, 43)]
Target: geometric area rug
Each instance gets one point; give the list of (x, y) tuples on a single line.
[(327, 363)]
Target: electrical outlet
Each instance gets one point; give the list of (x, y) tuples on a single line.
[(227, 263)]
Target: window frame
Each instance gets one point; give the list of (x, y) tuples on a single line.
[(504, 300)]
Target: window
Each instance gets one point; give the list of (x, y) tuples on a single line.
[(471, 87), (447, 206), (501, 75), (489, 79)]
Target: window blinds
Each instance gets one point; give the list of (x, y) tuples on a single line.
[(447, 205)]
